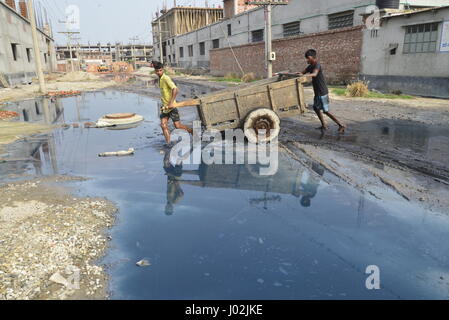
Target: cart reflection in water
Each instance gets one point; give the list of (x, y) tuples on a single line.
[(300, 182)]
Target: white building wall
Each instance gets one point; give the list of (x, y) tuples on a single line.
[(312, 14), (15, 29), (424, 74), (376, 57)]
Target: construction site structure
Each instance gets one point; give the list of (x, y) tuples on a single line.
[(17, 55), (103, 54), (180, 20)]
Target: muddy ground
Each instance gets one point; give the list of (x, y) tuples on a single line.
[(50, 241)]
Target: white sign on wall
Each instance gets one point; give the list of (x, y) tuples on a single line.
[(444, 46)]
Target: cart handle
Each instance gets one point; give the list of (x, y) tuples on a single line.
[(187, 103)]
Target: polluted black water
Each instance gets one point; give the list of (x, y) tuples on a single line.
[(225, 232)]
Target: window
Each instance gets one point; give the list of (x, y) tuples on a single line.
[(181, 52), (36, 105), (421, 38), (257, 35), (29, 54), (229, 30), (25, 115), (341, 20), (216, 43), (202, 49), (14, 51), (191, 50), (292, 29), (45, 57), (173, 41)]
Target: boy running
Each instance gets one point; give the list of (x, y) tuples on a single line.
[(321, 100), (169, 91)]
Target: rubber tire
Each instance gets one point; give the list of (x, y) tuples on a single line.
[(250, 133)]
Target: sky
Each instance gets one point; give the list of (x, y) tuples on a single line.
[(109, 20)]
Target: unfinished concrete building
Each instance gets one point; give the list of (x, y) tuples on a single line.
[(178, 21), (83, 55), (16, 44)]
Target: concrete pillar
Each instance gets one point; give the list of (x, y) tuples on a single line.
[(11, 3), (23, 8)]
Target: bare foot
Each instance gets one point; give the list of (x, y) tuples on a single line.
[(322, 128), (341, 129)]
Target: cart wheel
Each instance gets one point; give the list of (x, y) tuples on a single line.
[(262, 119)]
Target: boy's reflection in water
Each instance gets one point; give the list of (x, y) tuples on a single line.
[(309, 185), (174, 191)]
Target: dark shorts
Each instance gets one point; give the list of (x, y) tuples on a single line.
[(321, 103), (173, 115)]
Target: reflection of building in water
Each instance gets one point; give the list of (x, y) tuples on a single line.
[(38, 151), (40, 110)]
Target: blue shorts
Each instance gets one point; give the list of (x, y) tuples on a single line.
[(321, 103)]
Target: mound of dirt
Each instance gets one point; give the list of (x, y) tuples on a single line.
[(144, 71), (78, 76)]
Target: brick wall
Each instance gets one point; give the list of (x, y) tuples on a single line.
[(338, 50), (229, 7), (11, 3), (23, 8)]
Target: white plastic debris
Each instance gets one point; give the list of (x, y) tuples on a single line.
[(143, 263), (129, 152)]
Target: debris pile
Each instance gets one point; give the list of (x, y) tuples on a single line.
[(122, 67), (63, 93), (4, 115)]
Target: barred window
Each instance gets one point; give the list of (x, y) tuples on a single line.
[(292, 29), (257, 35), (181, 52), (191, 50), (421, 38), (216, 43), (341, 20)]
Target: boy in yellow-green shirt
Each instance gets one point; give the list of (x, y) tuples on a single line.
[(169, 91)]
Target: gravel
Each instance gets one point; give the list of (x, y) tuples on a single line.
[(49, 237)]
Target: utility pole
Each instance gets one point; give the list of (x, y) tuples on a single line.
[(160, 42), (132, 50), (78, 52), (269, 54), (37, 53), (268, 42), (69, 35)]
